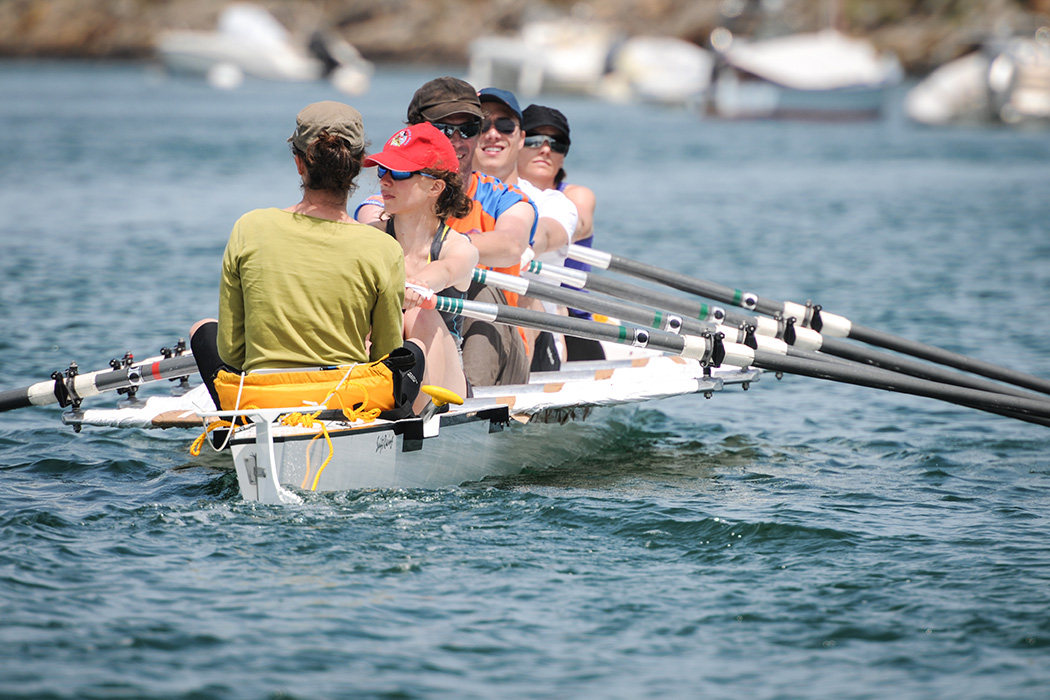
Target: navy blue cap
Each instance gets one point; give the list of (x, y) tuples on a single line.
[(504, 96)]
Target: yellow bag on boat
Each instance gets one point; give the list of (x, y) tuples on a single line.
[(357, 388)]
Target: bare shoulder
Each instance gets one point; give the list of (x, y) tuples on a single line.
[(580, 195)]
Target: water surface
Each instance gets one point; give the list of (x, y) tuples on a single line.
[(800, 540)]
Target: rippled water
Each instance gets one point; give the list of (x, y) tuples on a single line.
[(800, 540)]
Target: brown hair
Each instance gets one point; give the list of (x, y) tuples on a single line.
[(453, 202), (331, 164)]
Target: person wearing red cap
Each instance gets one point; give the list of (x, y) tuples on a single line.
[(500, 224), (420, 185)]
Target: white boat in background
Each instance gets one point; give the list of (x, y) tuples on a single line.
[(498, 432), (565, 55), (659, 69), (824, 75), (580, 56), (250, 42), (1006, 82)]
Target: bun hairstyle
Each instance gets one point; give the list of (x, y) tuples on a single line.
[(453, 202), (331, 164)]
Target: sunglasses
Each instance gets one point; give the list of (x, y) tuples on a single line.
[(504, 125), (539, 140), (466, 131), (399, 175)]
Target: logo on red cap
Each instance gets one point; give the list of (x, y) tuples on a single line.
[(400, 139)]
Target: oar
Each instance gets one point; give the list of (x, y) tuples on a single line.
[(801, 341), (67, 387), (634, 313), (808, 315), (711, 349), (649, 317)]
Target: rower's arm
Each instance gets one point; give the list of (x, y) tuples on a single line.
[(458, 260), (585, 202), (504, 244), (455, 267), (370, 210), (230, 339), (550, 235)]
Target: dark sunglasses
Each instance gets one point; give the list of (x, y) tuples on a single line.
[(539, 140), (382, 172), (466, 131), (504, 125)]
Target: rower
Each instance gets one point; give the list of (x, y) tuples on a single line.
[(419, 175), (501, 224), (542, 162), (499, 147)]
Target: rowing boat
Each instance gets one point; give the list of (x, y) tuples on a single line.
[(497, 432), (680, 347)]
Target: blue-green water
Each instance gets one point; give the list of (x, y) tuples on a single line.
[(801, 540)]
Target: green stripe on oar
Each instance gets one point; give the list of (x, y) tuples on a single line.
[(808, 315), (693, 347)]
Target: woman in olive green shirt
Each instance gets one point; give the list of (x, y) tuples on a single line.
[(307, 286)]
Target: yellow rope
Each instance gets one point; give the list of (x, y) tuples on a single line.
[(195, 448), (309, 420)]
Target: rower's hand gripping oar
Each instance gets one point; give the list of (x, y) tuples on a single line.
[(711, 349), (808, 315)]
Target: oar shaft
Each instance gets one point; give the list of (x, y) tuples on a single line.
[(830, 325), (684, 283), (700, 348), (624, 311), (898, 363), (891, 381), (949, 358), (686, 308), (97, 382)]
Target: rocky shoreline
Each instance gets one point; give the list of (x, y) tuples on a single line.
[(420, 31)]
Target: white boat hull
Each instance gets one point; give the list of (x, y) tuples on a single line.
[(498, 433), (736, 98), (820, 76)]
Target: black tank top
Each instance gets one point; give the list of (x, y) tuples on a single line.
[(452, 321)]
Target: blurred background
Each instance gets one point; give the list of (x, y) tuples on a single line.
[(972, 60)]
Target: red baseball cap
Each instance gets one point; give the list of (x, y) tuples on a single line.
[(416, 147)]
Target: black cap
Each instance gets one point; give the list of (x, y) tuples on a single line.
[(442, 97), (536, 116)]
